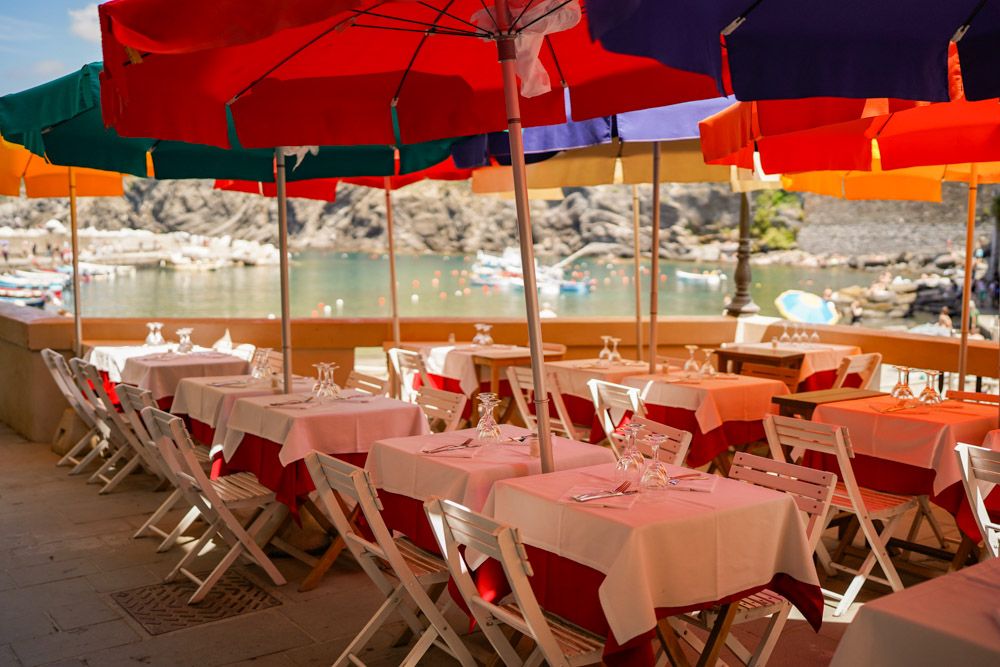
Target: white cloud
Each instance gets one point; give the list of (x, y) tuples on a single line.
[(48, 68), (84, 23)]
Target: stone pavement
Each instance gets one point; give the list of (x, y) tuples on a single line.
[(64, 550)]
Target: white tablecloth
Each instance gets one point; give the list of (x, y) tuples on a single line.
[(573, 375), (111, 358), (398, 466), (677, 550), (197, 398), (950, 620), (924, 436), (816, 356), (339, 427), (713, 400), (456, 361), (160, 373)]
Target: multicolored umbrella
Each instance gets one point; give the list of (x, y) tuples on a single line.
[(389, 72), (807, 307)]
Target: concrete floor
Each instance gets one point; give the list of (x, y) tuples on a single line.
[(64, 549)]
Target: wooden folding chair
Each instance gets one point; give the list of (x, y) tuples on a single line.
[(86, 448), (610, 398), (974, 397), (128, 452), (812, 491), (980, 474), (415, 570), (787, 376), (522, 384), (407, 365), (216, 500), (848, 499), (367, 384), (559, 643), (276, 362), (865, 365), (673, 450), (442, 408)]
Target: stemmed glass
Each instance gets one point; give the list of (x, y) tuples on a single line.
[(814, 336), (185, 345), (155, 335), (629, 465), (930, 395), (488, 430), (604, 356), (482, 337), (616, 356), (785, 338), (691, 366), (259, 369), (796, 333), (325, 389), (707, 369), (901, 391), (655, 476)]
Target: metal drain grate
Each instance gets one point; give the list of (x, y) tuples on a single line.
[(162, 608)]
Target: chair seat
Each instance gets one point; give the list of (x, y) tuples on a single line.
[(240, 487), (421, 563), (573, 640), (202, 454), (752, 607), (877, 502)]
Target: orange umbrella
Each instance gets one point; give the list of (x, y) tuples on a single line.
[(40, 179)]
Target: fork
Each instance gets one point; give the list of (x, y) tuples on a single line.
[(448, 448), (619, 490), (298, 401)]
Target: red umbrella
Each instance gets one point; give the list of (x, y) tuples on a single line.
[(305, 72)]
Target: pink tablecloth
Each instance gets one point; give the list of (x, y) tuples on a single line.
[(573, 375), (817, 357), (160, 373)]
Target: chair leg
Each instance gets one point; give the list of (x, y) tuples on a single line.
[(925, 508), (170, 540), (878, 553), (253, 549), (120, 476), (371, 627), (767, 643), (150, 526), (70, 457), (85, 462), (195, 550)]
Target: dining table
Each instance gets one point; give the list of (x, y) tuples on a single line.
[(949, 620), (617, 569), (572, 376), (720, 411), (161, 372), (909, 448), (817, 362)]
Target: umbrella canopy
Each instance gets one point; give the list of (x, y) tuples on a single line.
[(775, 50), (806, 307)]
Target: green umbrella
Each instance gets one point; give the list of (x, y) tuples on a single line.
[(61, 121)]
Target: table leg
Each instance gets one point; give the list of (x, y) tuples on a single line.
[(965, 548), (325, 562), (717, 636), (671, 645), (495, 377)]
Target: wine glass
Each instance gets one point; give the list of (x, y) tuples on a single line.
[(630, 463), (930, 395), (184, 345), (691, 366), (325, 389), (707, 369), (898, 387), (814, 336), (604, 356), (259, 369), (785, 338), (655, 475), (796, 333), (151, 338), (616, 356), (488, 430), (902, 392)]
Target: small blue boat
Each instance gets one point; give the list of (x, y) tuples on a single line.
[(798, 306)]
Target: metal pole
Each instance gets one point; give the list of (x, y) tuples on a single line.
[(654, 269), (393, 290), (507, 58), (742, 303), (970, 238), (637, 257), (286, 322), (74, 240)]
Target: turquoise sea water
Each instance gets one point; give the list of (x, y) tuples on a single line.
[(361, 284)]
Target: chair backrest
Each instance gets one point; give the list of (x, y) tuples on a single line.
[(133, 401), (974, 397), (444, 407), (91, 385), (554, 348), (812, 490), (673, 450), (454, 527), (864, 365), (408, 365), (65, 382), (980, 474), (610, 398), (367, 384), (275, 362), (522, 384), (786, 375)]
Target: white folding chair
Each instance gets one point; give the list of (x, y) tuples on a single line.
[(442, 408), (558, 642), (133, 401), (980, 474), (612, 402), (848, 498), (812, 491), (87, 447), (864, 365), (522, 384), (673, 450), (216, 500), (406, 365), (414, 570), (367, 384), (276, 362)]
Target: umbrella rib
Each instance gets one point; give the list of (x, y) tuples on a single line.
[(426, 31), (964, 28), (741, 19), (527, 6), (452, 16), (555, 59), (416, 52), (490, 14), (540, 17), (433, 27)]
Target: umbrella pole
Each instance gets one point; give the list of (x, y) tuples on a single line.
[(654, 269), (286, 322), (74, 239), (393, 290), (970, 238), (508, 60), (637, 258)]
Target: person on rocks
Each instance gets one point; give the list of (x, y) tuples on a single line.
[(944, 318)]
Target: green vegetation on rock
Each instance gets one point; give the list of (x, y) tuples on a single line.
[(776, 218)]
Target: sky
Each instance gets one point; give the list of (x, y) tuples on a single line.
[(43, 39)]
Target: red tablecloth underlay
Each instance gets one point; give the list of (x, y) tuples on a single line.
[(455, 387), (904, 479), (570, 590)]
